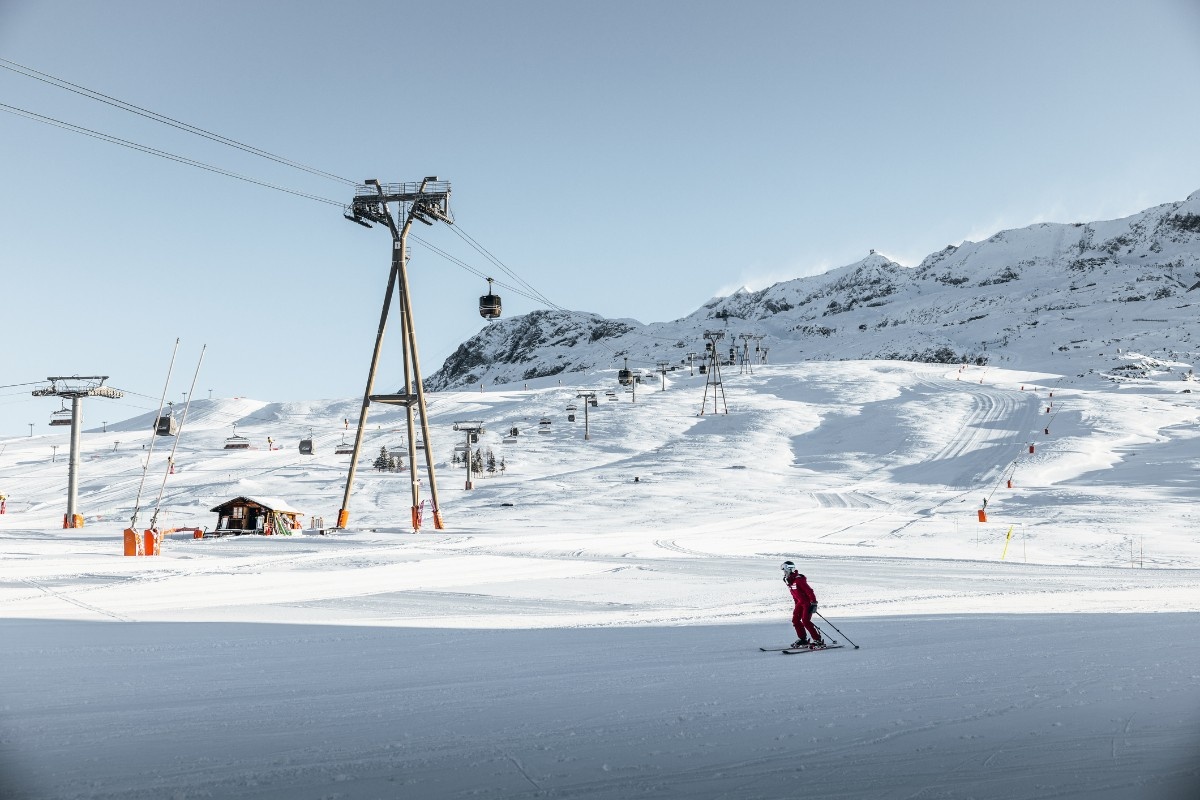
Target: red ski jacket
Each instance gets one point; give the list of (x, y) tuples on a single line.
[(801, 591)]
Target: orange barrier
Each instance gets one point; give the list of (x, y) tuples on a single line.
[(151, 541), (131, 542)]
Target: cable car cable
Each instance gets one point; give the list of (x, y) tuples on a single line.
[(92, 94), (191, 162)]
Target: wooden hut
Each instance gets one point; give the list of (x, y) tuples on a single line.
[(261, 515)]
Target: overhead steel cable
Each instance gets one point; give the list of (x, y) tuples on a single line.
[(92, 94), (483, 251), (464, 265), (154, 151)]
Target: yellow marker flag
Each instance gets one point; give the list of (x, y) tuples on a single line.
[(1007, 539)]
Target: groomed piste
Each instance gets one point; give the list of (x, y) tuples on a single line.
[(589, 622)]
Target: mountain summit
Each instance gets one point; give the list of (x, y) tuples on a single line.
[(1028, 295)]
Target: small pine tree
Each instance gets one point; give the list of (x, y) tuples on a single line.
[(454, 458), (491, 460), (477, 462), (384, 461), (502, 467), (394, 463)]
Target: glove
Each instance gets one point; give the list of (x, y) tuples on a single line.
[(813, 606)]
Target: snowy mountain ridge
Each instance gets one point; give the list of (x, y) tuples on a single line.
[(1025, 295)]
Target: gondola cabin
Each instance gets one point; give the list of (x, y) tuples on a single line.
[(489, 304), (306, 447), (258, 515), (62, 417), (166, 425), (571, 413), (704, 369)]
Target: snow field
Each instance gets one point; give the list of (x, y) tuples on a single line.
[(574, 633)]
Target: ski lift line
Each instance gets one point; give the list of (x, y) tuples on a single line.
[(458, 231), (60, 83), (459, 262), (191, 162), (466, 237)]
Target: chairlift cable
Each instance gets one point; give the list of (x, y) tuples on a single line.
[(60, 83)]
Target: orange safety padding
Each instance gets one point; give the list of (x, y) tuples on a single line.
[(1030, 448), (131, 540), (197, 534), (416, 516), (1010, 484), (151, 542), (343, 518), (982, 515), (437, 520)]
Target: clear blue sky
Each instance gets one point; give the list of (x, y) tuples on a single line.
[(627, 158)]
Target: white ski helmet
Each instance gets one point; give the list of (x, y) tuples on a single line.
[(788, 567)]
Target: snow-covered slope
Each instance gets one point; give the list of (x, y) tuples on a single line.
[(588, 623), (1024, 296)]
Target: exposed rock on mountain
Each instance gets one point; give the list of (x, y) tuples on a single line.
[(1027, 295)]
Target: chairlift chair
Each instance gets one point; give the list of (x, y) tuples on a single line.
[(61, 417), (236, 442), (344, 448), (489, 304)]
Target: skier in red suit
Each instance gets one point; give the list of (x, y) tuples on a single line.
[(806, 603)]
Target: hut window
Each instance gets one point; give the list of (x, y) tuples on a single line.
[(239, 512)]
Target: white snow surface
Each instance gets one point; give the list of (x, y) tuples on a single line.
[(588, 623)]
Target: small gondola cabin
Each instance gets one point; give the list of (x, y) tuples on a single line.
[(261, 515)]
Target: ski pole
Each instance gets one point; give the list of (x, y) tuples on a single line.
[(844, 636)]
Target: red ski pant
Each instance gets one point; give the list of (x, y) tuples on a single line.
[(802, 622)]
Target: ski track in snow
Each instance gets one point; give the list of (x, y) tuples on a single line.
[(574, 633)]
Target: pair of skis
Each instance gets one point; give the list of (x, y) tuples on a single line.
[(792, 651)]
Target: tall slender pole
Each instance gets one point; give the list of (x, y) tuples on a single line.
[(419, 385), (73, 469), (414, 477), (344, 513), (153, 437), (175, 444)]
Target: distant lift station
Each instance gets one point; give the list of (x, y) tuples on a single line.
[(75, 388)]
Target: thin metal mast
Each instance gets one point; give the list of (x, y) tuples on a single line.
[(713, 371)]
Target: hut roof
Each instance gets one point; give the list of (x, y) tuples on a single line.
[(270, 503)]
